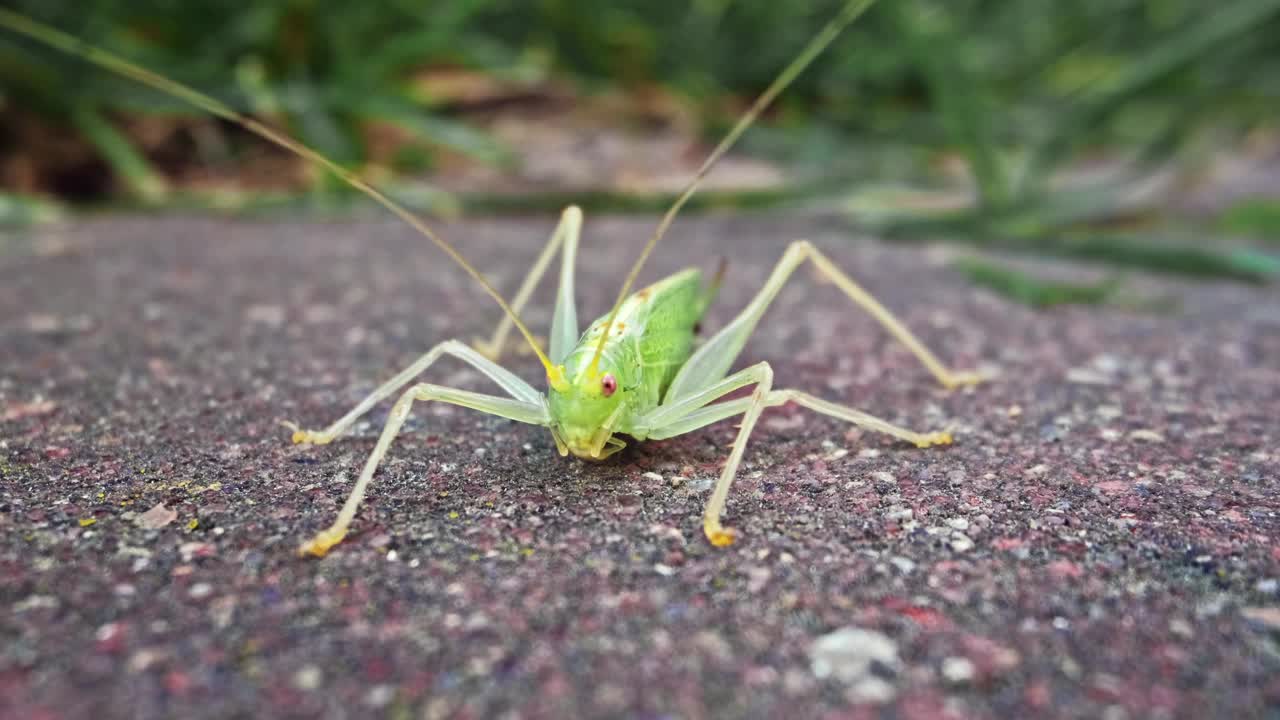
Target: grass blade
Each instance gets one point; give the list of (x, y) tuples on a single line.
[(1167, 55), (1030, 290), (129, 164)]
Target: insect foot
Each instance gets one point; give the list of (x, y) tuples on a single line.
[(938, 438), (310, 437), (966, 379), (720, 536), (320, 545)]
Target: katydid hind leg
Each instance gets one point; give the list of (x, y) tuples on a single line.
[(508, 381), (564, 319), (714, 358), (513, 409)]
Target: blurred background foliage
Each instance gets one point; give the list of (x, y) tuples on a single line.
[(1012, 123)]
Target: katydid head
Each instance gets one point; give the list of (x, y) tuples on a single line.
[(585, 410)]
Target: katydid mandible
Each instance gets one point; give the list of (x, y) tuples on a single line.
[(636, 371)]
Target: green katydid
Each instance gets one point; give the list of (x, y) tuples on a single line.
[(636, 371)]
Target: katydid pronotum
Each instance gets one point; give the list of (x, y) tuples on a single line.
[(636, 371)]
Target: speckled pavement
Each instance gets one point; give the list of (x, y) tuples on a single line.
[(1102, 541)]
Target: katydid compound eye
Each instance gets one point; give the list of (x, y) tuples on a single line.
[(609, 385)]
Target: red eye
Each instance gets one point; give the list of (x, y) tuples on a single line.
[(608, 385)]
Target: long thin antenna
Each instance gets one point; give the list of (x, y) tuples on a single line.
[(69, 44), (851, 11)]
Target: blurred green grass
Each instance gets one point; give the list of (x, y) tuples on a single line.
[(1013, 85), (1018, 89)]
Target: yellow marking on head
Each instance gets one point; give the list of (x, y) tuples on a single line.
[(556, 378)]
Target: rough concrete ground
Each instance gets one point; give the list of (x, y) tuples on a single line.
[(1101, 541)]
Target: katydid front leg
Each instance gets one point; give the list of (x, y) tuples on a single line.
[(534, 413), (525, 405)]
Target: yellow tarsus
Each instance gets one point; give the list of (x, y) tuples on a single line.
[(320, 545), (938, 438), (966, 379), (305, 436), (720, 536)]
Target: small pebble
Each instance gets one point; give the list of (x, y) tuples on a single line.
[(308, 677), (1146, 436), (960, 542), (156, 518), (758, 578), (1267, 616), (1086, 376), (864, 660), (379, 696), (898, 513), (958, 670)]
